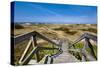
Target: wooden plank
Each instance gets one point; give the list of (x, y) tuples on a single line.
[(90, 36), (36, 45), (91, 47), (26, 50), (22, 37), (44, 60), (26, 36), (47, 39), (87, 35), (32, 41), (28, 58), (87, 56), (84, 55), (77, 40)]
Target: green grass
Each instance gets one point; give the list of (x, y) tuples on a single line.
[(80, 46), (66, 30), (18, 26), (19, 49), (90, 30)]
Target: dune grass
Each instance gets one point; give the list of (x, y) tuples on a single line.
[(78, 55), (19, 49), (66, 30)]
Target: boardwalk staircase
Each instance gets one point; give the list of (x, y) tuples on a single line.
[(63, 46)]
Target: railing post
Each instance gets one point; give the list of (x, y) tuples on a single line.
[(36, 45), (25, 52), (91, 47), (32, 39), (84, 55)]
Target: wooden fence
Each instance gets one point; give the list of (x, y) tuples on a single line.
[(32, 37), (87, 45)]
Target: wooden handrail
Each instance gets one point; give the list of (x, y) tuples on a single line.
[(20, 38), (87, 37), (17, 39), (27, 59), (35, 34)]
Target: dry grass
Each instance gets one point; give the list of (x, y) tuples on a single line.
[(71, 32)]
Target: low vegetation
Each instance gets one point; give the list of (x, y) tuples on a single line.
[(18, 26), (20, 49), (66, 30), (78, 55), (94, 30)]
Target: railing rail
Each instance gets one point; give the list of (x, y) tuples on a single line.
[(85, 55), (32, 36), (33, 41)]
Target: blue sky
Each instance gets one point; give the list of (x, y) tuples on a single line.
[(54, 13)]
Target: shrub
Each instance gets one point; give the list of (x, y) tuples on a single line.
[(90, 30), (18, 26)]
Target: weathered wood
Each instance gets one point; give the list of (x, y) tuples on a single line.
[(77, 40), (86, 35), (32, 38), (35, 51), (46, 60), (90, 36), (26, 36), (36, 45), (47, 39), (85, 55), (25, 52), (27, 59), (23, 37), (32, 41), (91, 47)]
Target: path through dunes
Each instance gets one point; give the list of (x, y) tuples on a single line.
[(65, 56)]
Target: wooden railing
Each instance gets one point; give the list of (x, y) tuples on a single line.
[(87, 45), (35, 51), (32, 37)]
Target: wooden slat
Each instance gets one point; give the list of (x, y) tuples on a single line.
[(44, 60), (87, 56), (36, 45), (47, 39), (27, 59), (79, 39), (23, 37), (25, 52), (90, 36), (91, 47), (26, 36), (85, 35)]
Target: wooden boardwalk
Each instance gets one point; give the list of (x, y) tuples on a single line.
[(65, 57), (63, 45)]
